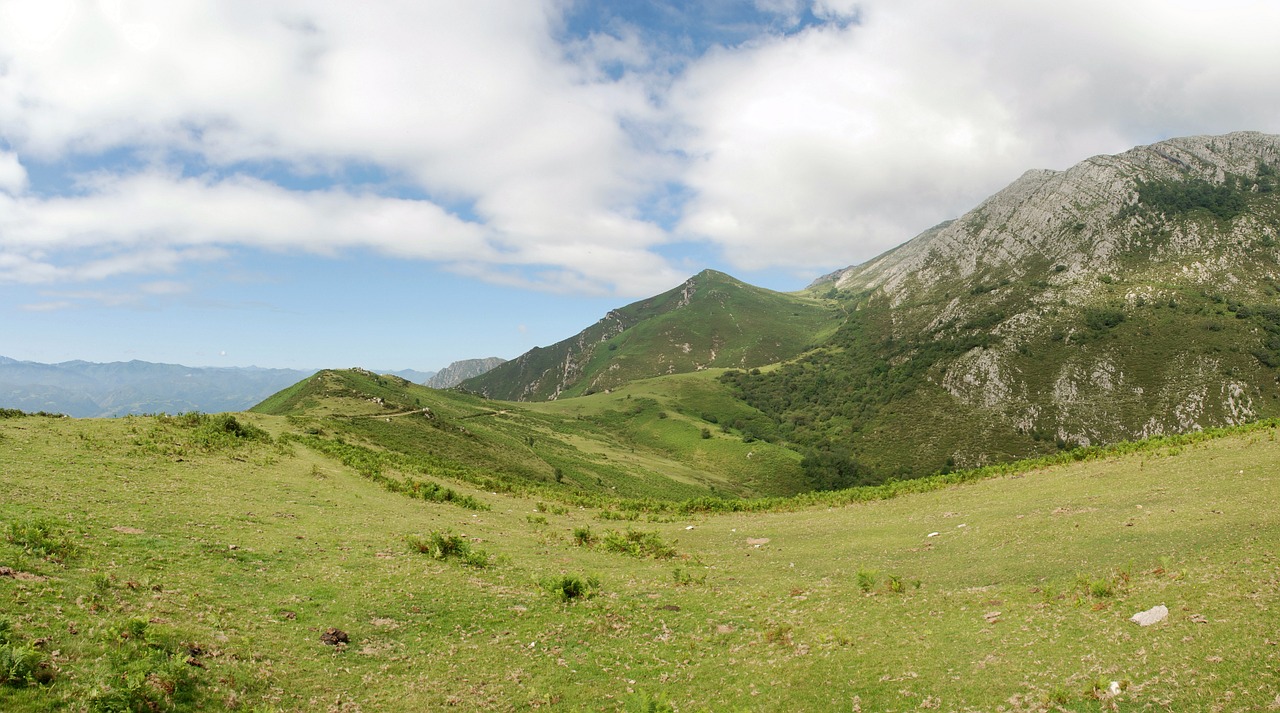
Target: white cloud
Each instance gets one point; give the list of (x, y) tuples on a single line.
[(473, 102), (156, 221), (13, 177), (53, 306), (833, 144), (808, 150)]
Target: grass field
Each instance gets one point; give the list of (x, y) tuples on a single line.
[(170, 564)]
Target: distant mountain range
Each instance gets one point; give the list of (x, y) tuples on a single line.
[(86, 389)]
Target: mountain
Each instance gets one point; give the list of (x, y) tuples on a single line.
[(417, 377), (460, 371), (1128, 296), (712, 320), (86, 389)]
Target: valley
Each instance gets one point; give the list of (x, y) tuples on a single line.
[(944, 479)]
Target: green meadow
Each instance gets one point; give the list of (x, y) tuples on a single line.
[(249, 562)]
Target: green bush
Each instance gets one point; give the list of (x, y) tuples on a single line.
[(867, 579), (571, 587), (148, 671), (448, 546), (584, 537), (1102, 318), (43, 538), (638, 543), (1225, 201)]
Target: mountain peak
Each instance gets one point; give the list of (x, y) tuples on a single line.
[(710, 320), (1084, 217), (1128, 296)]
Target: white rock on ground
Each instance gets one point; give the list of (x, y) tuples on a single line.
[(1154, 615)]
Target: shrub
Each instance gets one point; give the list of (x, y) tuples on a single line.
[(706, 433), (583, 536), (24, 665), (867, 579), (42, 538), (446, 545), (148, 671), (638, 543), (571, 587), (1102, 318), (21, 664)]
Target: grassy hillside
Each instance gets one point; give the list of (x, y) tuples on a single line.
[(200, 561), (641, 441), (710, 321)]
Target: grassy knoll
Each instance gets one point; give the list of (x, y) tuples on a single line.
[(645, 440), (170, 563)]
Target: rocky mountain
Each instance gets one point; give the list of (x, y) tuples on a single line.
[(87, 389), (460, 371), (417, 377), (1128, 296), (712, 320)]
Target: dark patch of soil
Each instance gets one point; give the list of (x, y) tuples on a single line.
[(20, 575), (333, 637)]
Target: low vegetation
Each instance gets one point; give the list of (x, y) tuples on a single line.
[(213, 581)]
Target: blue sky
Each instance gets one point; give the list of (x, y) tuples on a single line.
[(403, 184)]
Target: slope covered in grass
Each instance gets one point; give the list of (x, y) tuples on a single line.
[(643, 442), (712, 320), (154, 559)]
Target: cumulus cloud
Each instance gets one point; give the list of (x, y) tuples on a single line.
[(13, 177), (839, 142), (574, 163), (471, 102)]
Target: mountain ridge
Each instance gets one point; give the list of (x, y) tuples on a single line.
[(1127, 296), (90, 389), (710, 320), (461, 370)]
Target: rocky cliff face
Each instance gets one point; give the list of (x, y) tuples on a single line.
[(460, 371), (1128, 296), (1084, 219)]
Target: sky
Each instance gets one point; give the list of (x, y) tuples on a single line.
[(404, 183)]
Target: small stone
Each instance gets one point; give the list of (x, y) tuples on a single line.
[(1154, 615), (933, 534)]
